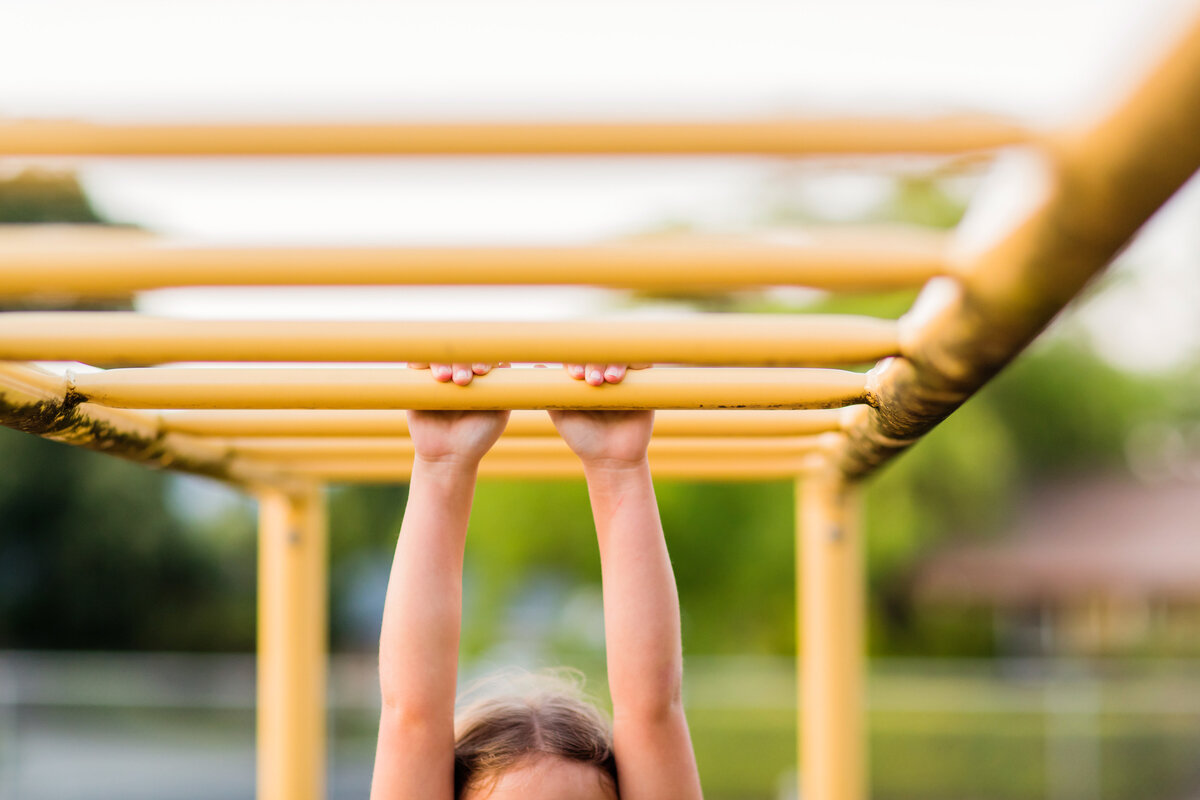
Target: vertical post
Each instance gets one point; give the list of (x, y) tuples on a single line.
[(292, 622), (829, 597)]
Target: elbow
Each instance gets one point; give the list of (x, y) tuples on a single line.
[(652, 702), (410, 715)]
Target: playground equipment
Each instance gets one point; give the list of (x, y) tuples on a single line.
[(283, 433)]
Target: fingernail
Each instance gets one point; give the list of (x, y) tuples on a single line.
[(612, 372), (595, 377), (461, 375)]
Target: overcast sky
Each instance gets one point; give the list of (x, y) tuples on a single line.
[(1042, 62)]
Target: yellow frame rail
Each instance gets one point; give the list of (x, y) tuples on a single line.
[(1106, 182)]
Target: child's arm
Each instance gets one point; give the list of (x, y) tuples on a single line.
[(641, 608), (418, 646)]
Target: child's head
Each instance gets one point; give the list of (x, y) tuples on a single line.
[(548, 737)]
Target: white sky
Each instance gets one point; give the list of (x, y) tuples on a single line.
[(1043, 62)]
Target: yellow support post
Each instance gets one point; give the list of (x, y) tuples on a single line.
[(830, 611), (292, 624)]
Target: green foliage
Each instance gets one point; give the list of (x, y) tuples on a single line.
[(920, 200), (37, 195), (90, 557)]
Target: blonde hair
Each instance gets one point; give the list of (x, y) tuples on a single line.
[(551, 717)]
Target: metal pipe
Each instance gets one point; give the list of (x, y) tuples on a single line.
[(126, 339), (762, 137), (506, 388), (724, 469), (292, 652), (38, 402), (855, 260), (1106, 181), (829, 579), (292, 422), (391, 448)]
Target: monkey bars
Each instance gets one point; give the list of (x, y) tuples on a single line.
[(282, 432)]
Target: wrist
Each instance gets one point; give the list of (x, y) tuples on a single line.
[(448, 466), (616, 469)]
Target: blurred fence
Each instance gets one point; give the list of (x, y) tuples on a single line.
[(89, 726)]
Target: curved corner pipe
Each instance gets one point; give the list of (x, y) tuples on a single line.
[(1102, 183)]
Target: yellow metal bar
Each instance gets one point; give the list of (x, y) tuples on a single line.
[(764, 137), (854, 260), (291, 645), (291, 422), (1107, 180), (505, 388), (729, 339), (391, 447), (830, 612), (723, 469), (38, 402)]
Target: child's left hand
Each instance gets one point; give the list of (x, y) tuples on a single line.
[(605, 438)]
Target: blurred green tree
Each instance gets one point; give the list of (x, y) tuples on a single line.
[(91, 555)]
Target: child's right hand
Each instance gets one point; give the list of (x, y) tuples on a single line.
[(457, 438)]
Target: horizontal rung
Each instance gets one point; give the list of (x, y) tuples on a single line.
[(108, 338), (861, 259), (168, 388), (725, 468), (392, 449), (522, 423), (763, 137)]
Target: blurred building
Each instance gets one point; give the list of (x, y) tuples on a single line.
[(1093, 565)]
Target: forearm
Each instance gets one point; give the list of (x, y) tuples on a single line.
[(641, 606), (418, 649)]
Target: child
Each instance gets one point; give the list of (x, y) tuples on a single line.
[(552, 747)]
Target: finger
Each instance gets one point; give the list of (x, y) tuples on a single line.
[(614, 373), (481, 369), (463, 374), (442, 372), (595, 374), (575, 371), (418, 365)]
